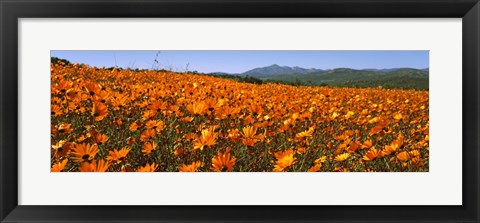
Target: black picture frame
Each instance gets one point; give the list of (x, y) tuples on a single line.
[(11, 11)]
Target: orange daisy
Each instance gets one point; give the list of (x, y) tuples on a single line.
[(223, 162), (191, 167), (94, 166), (58, 167), (84, 152)]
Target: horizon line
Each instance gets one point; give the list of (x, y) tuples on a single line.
[(254, 67)]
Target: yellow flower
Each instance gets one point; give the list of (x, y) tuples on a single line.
[(342, 157), (321, 159), (207, 139), (307, 133), (196, 108), (284, 159), (249, 136), (398, 116)]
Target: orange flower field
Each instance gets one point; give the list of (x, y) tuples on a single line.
[(118, 120)]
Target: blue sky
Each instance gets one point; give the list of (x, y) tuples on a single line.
[(238, 61)]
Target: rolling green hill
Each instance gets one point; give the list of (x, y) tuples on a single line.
[(405, 78), (398, 78)]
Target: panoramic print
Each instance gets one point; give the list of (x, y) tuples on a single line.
[(239, 111)]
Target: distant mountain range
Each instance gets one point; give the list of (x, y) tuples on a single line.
[(276, 70), (393, 78)]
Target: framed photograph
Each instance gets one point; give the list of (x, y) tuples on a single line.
[(228, 111)]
